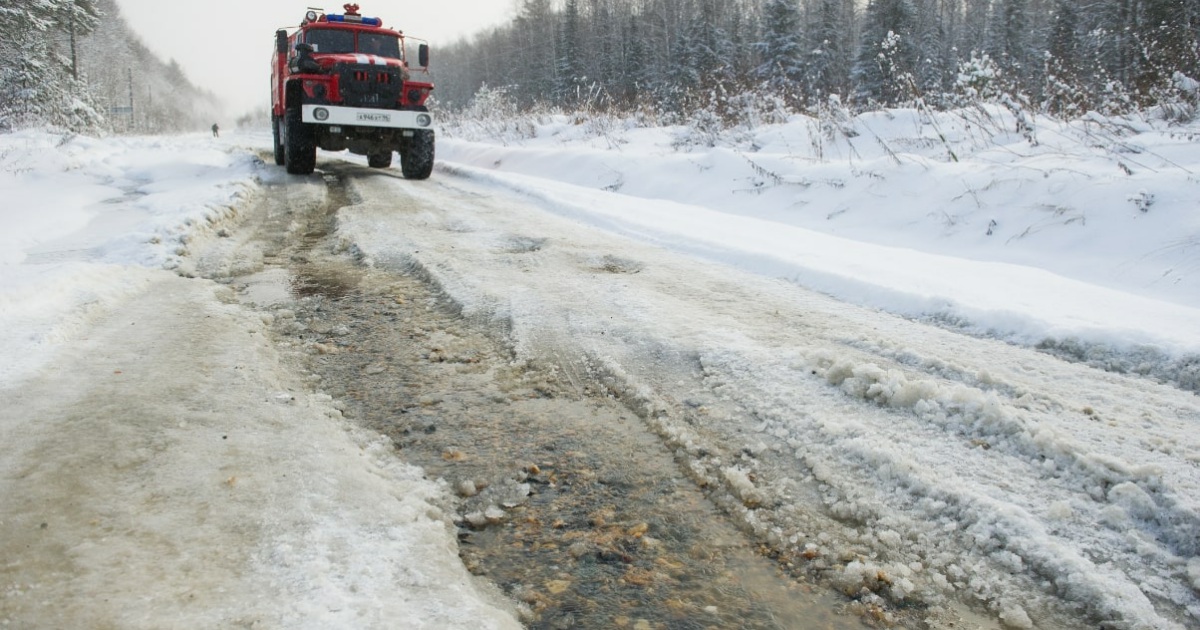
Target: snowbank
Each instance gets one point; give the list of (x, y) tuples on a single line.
[(1085, 239)]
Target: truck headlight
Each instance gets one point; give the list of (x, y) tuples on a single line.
[(424, 120), (321, 113)]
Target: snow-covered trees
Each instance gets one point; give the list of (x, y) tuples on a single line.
[(1009, 38), (570, 78), (706, 50), (1061, 56), (533, 56), (830, 37), (77, 18), (73, 64), (781, 48), (888, 55), (39, 85)]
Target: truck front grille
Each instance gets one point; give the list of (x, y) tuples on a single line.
[(365, 85)]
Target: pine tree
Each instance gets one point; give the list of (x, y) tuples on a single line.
[(22, 82), (828, 65), (1116, 29), (35, 15), (76, 18), (607, 63), (972, 34), (534, 73), (704, 49), (1167, 41), (1064, 92), (570, 79), (742, 57), (1010, 44), (37, 89), (782, 49), (1063, 45), (636, 73), (37, 86), (887, 57), (937, 58)]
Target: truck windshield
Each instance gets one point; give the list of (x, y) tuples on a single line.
[(379, 44), (328, 40)]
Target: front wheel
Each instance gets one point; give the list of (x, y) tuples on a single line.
[(416, 158), (299, 145), (276, 121)]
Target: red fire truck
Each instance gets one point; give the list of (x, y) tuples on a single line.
[(344, 82)]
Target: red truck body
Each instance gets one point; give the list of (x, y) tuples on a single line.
[(344, 82)]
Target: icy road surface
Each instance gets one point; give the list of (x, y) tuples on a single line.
[(901, 462), (169, 471), (173, 456)]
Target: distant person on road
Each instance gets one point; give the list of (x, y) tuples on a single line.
[(216, 130)]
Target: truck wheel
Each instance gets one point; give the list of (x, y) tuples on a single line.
[(279, 157), (299, 146), (379, 160), (416, 162)]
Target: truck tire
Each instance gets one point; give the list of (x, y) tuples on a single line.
[(299, 146), (379, 160), (279, 156), (416, 161)]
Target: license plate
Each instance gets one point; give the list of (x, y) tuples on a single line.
[(365, 117)]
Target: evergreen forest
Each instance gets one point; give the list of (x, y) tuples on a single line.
[(677, 57), (75, 65)]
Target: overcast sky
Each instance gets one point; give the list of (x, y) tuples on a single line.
[(225, 45)]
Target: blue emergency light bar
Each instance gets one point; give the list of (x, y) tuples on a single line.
[(355, 19)]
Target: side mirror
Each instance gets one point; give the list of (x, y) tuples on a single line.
[(423, 55), (304, 60), (281, 45)]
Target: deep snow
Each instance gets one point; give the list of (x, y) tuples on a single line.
[(1085, 239), (1085, 242)]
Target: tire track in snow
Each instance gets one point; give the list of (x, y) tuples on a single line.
[(964, 426), (565, 500)]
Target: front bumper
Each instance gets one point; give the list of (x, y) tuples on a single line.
[(365, 117)]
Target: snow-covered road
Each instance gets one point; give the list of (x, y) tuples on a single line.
[(169, 471), (914, 462), (162, 463), (919, 468)]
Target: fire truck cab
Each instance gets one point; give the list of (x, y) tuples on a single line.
[(344, 82)]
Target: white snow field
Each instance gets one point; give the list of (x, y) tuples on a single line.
[(833, 319)]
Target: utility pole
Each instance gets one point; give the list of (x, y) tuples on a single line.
[(125, 110), (130, 71)]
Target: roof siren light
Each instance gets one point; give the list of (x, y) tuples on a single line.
[(352, 15)]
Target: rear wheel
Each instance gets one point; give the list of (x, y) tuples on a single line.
[(379, 160), (416, 160), (276, 121), (299, 146)]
